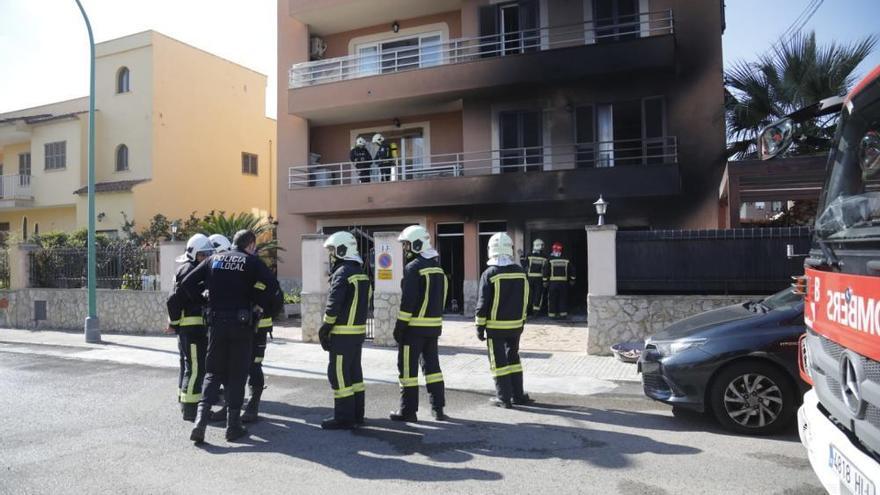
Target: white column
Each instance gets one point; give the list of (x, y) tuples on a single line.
[(19, 265), (315, 267), (388, 265), (168, 251), (602, 260)]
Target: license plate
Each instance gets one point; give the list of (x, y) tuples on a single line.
[(851, 479)]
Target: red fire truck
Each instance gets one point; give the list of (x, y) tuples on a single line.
[(839, 421)]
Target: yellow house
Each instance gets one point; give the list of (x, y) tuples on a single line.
[(178, 130)]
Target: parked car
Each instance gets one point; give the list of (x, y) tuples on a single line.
[(739, 362)]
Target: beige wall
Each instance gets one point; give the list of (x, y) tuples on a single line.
[(338, 44), (112, 205), (49, 220), (55, 187), (9, 156)]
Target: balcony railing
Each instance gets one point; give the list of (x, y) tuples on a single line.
[(432, 54), (600, 154), (16, 187)]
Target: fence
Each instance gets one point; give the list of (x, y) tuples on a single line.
[(118, 267), (734, 261), (4, 268)]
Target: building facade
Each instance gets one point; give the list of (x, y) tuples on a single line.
[(177, 130), (506, 116)]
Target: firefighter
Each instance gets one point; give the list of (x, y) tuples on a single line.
[(235, 281), (502, 307), (558, 275), (362, 159), (269, 303), (187, 321), (344, 329), (385, 156), (534, 265), (419, 322)]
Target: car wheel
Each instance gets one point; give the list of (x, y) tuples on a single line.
[(753, 398)]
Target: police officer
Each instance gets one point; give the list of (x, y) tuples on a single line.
[(502, 306), (362, 159), (558, 275), (419, 322), (385, 156), (234, 280), (534, 265), (344, 330), (187, 320), (221, 245)]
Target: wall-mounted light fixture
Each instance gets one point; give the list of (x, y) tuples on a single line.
[(101, 216), (395, 26), (396, 122)]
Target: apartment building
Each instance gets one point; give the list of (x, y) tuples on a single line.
[(177, 130), (507, 116)]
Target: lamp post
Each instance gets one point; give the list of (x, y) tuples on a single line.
[(174, 227), (601, 207), (92, 327)]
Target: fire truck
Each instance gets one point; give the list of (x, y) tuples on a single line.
[(839, 421)]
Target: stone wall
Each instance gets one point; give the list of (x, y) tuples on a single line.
[(313, 305), (119, 311), (614, 319), (385, 307)]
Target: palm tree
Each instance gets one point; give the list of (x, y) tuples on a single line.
[(219, 223), (793, 75)]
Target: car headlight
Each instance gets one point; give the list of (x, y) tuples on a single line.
[(670, 347)]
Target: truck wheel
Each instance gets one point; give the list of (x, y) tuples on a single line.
[(753, 398)]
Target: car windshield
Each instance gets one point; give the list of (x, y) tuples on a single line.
[(782, 299), (852, 190)]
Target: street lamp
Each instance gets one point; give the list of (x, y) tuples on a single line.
[(174, 227), (92, 327), (601, 207)]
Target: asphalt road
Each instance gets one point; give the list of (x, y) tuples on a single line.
[(71, 426)]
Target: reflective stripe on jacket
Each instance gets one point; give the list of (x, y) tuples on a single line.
[(424, 289), (503, 300), (348, 300)]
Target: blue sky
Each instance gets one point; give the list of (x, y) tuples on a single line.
[(44, 52)]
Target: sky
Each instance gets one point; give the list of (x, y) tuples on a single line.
[(44, 48)]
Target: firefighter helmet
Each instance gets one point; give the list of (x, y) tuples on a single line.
[(198, 243), (557, 249), (360, 142), (343, 245), (500, 244), (378, 138), (220, 242), (418, 238), (537, 245)]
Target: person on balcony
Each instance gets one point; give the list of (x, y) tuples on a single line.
[(362, 160), (558, 275), (386, 156)]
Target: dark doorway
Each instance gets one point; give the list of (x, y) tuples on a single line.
[(450, 245), (574, 243), (616, 19), (521, 140)]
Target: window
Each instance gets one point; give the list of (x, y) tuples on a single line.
[(249, 163), (24, 169), (521, 138), (24, 229), (121, 158), (36, 229), (56, 155), (412, 52), (585, 136), (616, 19), (122, 80), (509, 28)]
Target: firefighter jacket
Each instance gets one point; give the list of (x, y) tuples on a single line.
[(386, 153), (349, 299), (503, 301), (360, 154), (423, 296), (271, 302), (183, 312), (235, 281), (558, 270), (534, 263)]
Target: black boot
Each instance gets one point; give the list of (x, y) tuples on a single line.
[(234, 429), (402, 416), (495, 401), (438, 414), (523, 400), (219, 415), (189, 411), (335, 424), (202, 415), (252, 410)]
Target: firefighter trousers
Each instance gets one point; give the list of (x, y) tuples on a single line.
[(505, 363), (258, 351), (192, 344), (536, 293), (557, 300), (227, 362), (346, 377), (414, 350)]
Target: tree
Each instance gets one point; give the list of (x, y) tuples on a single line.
[(219, 223), (793, 75)]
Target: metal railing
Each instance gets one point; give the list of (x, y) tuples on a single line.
[(626, 152), (432, 54), (16, 187), (118, 267)]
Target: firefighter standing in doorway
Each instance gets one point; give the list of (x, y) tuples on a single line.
[(344, 331), (502, 307), (558, 275), (534, 265), (419, 322)]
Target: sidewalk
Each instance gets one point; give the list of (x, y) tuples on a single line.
[(464, 368)]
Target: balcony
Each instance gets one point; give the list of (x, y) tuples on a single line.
[(454, 68), (629, 168), (16, 191)]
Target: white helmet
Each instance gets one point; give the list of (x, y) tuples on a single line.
[(198, 243), (417, 236), (343, 245), (500, 244), (360, 142), (537, 245), (378, 138), (220, 243)]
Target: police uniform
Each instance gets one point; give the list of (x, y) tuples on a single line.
[(558, 275), (270, 302), (187, 320), (233, 279), (423, 297), (502, 307), (534, 266), (346, 311), (363, 161), (385, 157)]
